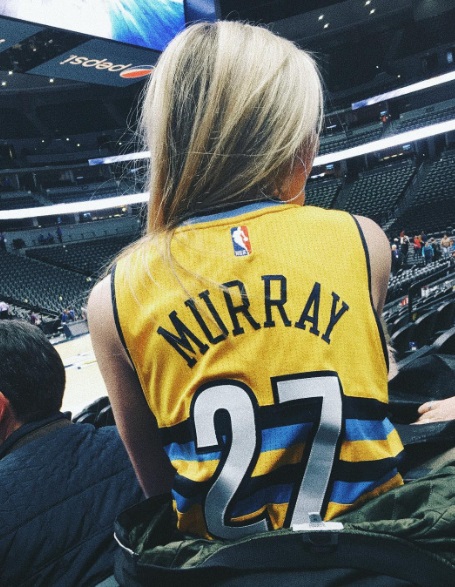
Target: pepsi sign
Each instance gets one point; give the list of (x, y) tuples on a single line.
[(101, 62)]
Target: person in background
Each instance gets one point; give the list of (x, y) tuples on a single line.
[(417, 247), (437, 411), (445, 243), (427, 252), (404, 247), (397, 259), (437, 252), (62, 484)]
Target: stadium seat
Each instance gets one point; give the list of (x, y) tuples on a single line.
[(401, 338), (445, 343), (424, 328)]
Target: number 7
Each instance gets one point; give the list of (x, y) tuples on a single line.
[(312, 490)]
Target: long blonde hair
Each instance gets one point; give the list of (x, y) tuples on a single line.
[(229, 110)]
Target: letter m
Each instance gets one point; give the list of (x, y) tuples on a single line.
[(180, 340)]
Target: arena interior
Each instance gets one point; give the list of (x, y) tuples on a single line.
[(71, 171)]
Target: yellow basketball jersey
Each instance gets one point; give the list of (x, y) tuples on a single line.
[(262, 359)]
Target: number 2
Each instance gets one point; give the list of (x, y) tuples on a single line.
[(239, 402)]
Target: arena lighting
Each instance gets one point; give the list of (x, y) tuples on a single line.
[(417, 87), (118, 158), (120, 201), (407, 137), (75, 207)]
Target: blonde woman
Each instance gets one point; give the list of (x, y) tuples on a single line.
[(247, 369)]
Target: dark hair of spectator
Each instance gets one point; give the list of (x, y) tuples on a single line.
[(32, 375)]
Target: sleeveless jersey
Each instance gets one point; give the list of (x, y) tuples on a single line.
[(261, 357)]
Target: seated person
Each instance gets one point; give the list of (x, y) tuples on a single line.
[(224, 338), (62, 484)]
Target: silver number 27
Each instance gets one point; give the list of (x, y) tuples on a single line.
[(233, 398)]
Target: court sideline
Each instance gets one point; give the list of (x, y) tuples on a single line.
[(84, 383)]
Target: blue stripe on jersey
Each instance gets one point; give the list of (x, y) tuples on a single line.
[(367, 429), (346, 493), (284, 436), (342, 492), (187, 452), (278, 492), (272, 439), (234, 212)]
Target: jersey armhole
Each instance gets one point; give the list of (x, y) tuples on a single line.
[(116, 316), (376, 316)]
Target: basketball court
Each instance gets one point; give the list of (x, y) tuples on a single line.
[(84, 383)]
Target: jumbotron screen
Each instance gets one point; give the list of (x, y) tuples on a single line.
[(145, 23)]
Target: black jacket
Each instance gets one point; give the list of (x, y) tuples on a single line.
[(59, 495)]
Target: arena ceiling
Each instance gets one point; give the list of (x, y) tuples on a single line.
[(363, 46)]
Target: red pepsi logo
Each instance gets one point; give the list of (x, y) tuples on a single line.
[(137, 71)]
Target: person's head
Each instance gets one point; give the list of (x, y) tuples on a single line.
[(232, 114), (32, 375)]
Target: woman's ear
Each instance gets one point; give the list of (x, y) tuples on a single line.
[(292, 189)]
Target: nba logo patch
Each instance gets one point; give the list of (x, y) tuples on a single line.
[(240, 241)]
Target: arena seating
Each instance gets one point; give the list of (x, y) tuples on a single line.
[(322, 193), (432, 206), (17, 199), (428, 311), (439, 183), (91, 191), (376, 192), (350, 138), (87, 258), (36, 284), (425, 116)]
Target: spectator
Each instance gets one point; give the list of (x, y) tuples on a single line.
[(427, 252), (227, 332), (405, 248), (417, 247), (446, 243), (397, 259), (61, 483), (437, 252), (437, 411)]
